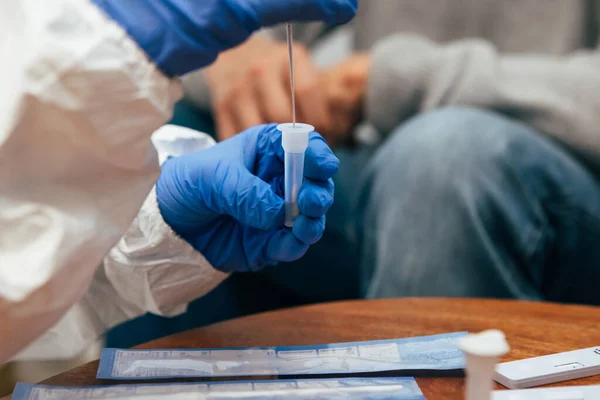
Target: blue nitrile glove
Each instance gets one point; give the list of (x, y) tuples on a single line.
[(181, 36), (226, 201)]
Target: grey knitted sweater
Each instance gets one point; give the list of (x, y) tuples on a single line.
[(533, 60)]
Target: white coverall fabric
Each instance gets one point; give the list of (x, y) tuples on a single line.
[(79, 101), (150, 270)]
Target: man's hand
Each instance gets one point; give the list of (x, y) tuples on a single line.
[(344, 86), (251, 86)]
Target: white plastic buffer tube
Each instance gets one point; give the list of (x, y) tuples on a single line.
[(294, 139)]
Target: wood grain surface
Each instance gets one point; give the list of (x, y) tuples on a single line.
[(532, 329)]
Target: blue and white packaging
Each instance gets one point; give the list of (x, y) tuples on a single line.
[(347, 389), (439, 352)]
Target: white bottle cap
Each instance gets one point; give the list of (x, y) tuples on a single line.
[(294, 139), (490, 343)]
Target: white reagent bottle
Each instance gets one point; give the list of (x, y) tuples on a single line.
[(482, 351)]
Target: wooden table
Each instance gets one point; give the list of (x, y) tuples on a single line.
[(532, 329)]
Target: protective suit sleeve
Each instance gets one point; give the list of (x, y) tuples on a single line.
[(150, 270), (151, 267), (78, 103), (155, 270)]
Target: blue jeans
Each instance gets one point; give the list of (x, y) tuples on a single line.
[(461, 202), (456, 202)]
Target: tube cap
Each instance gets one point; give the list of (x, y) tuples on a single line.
[(294, 139)]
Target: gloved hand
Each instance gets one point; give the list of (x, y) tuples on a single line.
[(181, 36), (226, 201)]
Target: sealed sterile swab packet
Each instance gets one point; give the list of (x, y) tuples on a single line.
[(439, 352), (346, 388)]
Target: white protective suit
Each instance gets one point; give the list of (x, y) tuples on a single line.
[(78, 102)]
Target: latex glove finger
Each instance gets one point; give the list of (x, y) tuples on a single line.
[(309, 230), (181, 36), (276, 11), (319, 162), (315, 197), (266, 157), (284, 246), (250, 200)]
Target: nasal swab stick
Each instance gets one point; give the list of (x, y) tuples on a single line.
[(290, 39)]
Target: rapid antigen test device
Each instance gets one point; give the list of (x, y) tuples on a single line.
[(548, 369), (552, 393)]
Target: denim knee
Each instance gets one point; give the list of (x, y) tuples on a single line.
[(448, 149), (447, 146), (451, 176), (460, 147)]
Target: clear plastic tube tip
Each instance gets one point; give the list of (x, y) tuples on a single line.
[(294, 139)]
